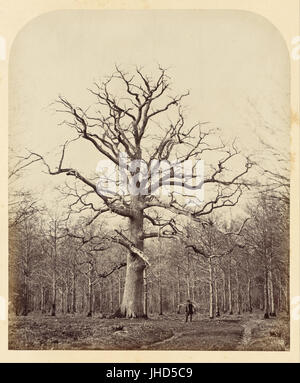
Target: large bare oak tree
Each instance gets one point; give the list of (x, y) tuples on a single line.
[(135, 113)]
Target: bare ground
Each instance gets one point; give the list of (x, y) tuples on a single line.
[(167, 332)]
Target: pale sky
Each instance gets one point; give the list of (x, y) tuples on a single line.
[(235, 65)]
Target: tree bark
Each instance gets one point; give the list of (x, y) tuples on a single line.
[(178, 286), (74, 303), (42, 299), (160, 294), (111, 295), (132, 302), (229, 289), (238, 298), (249, 282), (145, 293), (26, 295), (119, 287), (62, 300), (266, 286), (188, 277), (224, 293), (271, 293), (217, 299), (53, 305), (211, 290), (90, 291)]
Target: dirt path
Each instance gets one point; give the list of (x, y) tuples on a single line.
[(201, 335), (247, 334), (261, 334), (163, 342)]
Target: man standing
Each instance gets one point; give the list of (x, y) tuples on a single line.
[(189, 310)]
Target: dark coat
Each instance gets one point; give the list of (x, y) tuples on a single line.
[(189, 308)]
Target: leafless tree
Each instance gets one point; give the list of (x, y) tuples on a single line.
[(136, 114)]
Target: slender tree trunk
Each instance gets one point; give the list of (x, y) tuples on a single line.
[(271, 289), (62, 301), (188, 277), (74, 303), (101, 296), (279, 294), (150, 296), (178, 286), (90, 292), (54, 271), (42, 307), (53, 306), (174, 297), (229, 289), (266, 286), (249, 297), (238, 301), (26, 295), (119, 288), (211, 290), (287, 301), (160, 294), (224, 293), (217, 298), (193, 289), (83, 298), (111, 295), (68, 292), (145, 293)]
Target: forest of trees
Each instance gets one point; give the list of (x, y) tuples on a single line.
[(74, 260), (55, 268)]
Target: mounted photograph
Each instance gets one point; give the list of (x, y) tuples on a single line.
[(149, 182)]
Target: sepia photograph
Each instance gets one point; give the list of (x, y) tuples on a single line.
[(149, 182)]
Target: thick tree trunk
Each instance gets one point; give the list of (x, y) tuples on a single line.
[(132, 304)]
